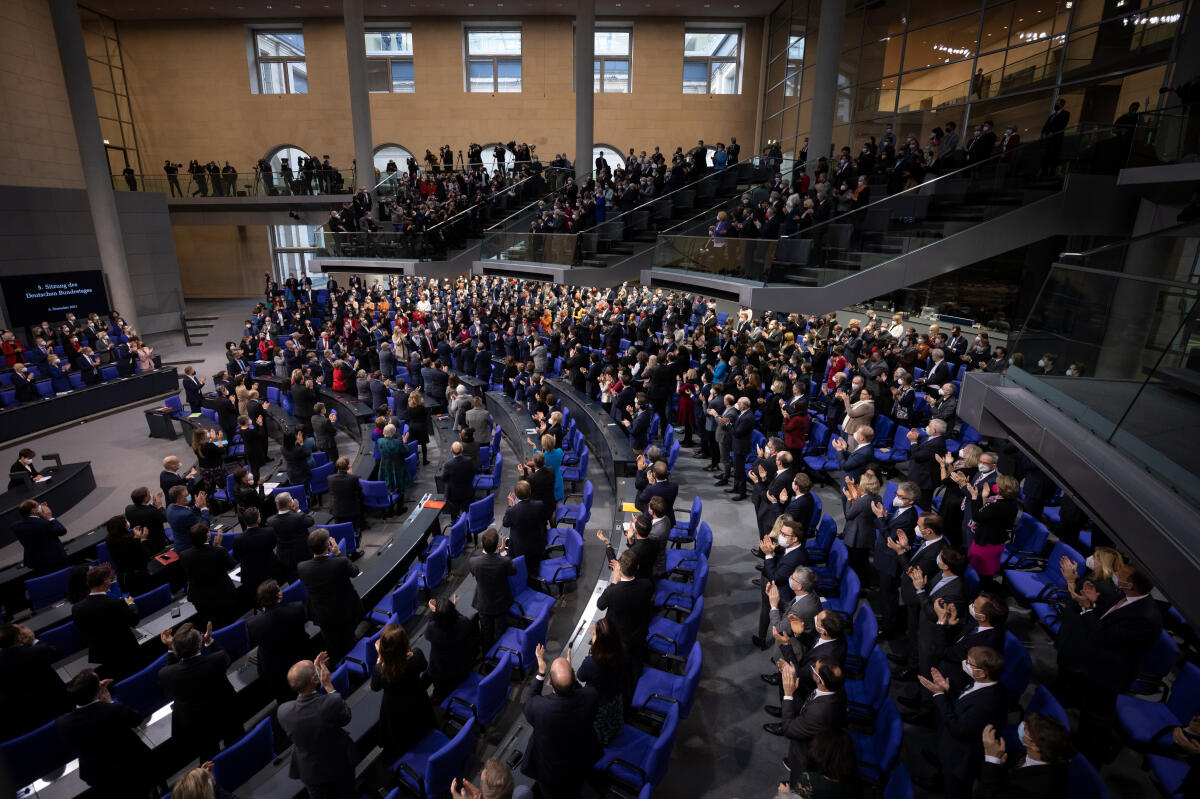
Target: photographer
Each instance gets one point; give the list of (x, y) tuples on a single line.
[(172, 171)]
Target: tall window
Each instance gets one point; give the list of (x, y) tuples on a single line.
[(390, 61), (279, 56), (611, 69), (711, 61), (795, 66), (493, 60)]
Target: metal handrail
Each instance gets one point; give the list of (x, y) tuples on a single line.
[(712, 174), (991, 158), (1132, 240), (482, 202), (531, 203), (709, 210)]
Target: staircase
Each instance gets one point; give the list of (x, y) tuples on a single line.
[(916, 238)]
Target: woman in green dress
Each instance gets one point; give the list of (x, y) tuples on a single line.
[(392, 468)]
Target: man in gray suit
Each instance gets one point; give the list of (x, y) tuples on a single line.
[(324, 755), (804, 606), (538, 355), (324, 427), (480, 421), (387, 360)]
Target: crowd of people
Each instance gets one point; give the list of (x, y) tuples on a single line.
[(79, 346), (719, 384)]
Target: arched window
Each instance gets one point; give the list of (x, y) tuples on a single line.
[(489, 157), (286, 152), (611, 154), (391, 152), (290, 155)]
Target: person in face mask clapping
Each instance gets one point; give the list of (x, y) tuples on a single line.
[(1102, 566)]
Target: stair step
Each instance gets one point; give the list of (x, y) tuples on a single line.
[(200, 318), (190, 326)]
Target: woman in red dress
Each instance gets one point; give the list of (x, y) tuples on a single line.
[(686, 415)]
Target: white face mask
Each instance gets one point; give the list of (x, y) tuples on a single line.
[(976, 615), (898, 502), (782, 539), (966, 667), (986, 469), (1090, 563), (1041, 363)]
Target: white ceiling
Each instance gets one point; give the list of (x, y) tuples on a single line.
[(291, 9)]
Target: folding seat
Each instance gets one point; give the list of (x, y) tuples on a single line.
[(490, 482), (363, 656), (684, 559), (899, 785), (636, 757), (375, 495), (686, 532), (428, 769), (527, 603), (433, 571), (1148, 724), (236, 764), (578, 473), (400, 605), (140, 690), (1084, 781), (344, 532), (846, 602), (1047, 585), (481, 696), (295, 592), (318, 482), (297, 492), (682, 593), (456, 539), (563, 570), (864, 697), (671, 636), (233, 638), (879, 750), (49, 589), (1018, 667), (1169, 773), (521, 643), (818, 548), (1156, 665), (569, 514), (66, 638), (34, 755), (861, 640), (481, 515), (829, 575), (659, 687)]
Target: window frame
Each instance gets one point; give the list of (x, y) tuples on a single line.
[(737, 60), (496, 60), (286, 62), (390, 59), (598, 61)]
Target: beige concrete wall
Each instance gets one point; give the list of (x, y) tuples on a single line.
[(190, 89), (222, 261), (36, 133)]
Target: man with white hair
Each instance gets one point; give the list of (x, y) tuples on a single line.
[(459, 406), (923, 467)]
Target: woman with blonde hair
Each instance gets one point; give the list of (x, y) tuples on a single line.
[(859, 531), (1102, 566), (199, 784), (393, 468)]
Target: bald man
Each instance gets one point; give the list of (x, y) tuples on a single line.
[(324, 758), (563, 745), (170, 476)]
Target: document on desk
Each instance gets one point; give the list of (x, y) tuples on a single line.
[(41, 478)]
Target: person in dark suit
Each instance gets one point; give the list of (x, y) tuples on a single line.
[(254, 549), (22, 467), (659, 484), (638, 539), (822, 711), (207, 567), (458, 481), (639, 424), (346, 496), (493, 594), (453, 647), (193, 389), (923, 557), (40, 533), (923, 466), (541, 483), (854, 461), (324, 756), (304, 399), (526, 523), (332, 601), (962, 717), (194, 679), (405, 714), (31, 692), (784, 554), (563, 745), (279, 634), (148, 512), (254, 442), (1052, 133), (169, 477), (291, 528), (1041, 773), (774, 490), (931, 593), (742, 427), (1115, 644), (325, 431), (183, 518), (628, 602), (113, 759), (106, 623), (823, 638), (802, 505), (888, 553), (23, 384)]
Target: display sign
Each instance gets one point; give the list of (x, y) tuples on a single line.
[(50, 296)]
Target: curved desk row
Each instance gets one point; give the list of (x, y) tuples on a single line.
[(352, 413), (607, 440), (18, 421)]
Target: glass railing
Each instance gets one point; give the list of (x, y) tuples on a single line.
[(748, 259), (554, 181), (1163, 137), (1120, 353), (240, 184), (866, 231), (544, 248), (434, 243)]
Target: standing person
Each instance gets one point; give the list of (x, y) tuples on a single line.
[(324, 427), (419, 420), (526, 523), (563, 745), (493, 594), (40, 535), (783, 555), (31, 691), (458, 481), (406, 714), (332, 601), (106, 623), (742, 428), (1052, 134), (324, 755), (113, 759), (453, 647), (604, 669), (207, 567), (291, 526), (279, 634), (194, 680), (994, 517), (393, 469), (346, 496)]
